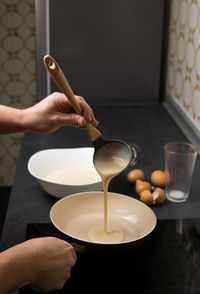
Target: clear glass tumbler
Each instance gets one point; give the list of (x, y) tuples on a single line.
[(180, 158)]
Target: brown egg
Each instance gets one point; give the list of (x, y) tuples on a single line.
[(134, 175), (141, 186), (146, 197), (158, 178), (159, 196)]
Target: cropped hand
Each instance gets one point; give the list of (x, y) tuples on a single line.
[(53, 260), (55, 111), (42, 263)]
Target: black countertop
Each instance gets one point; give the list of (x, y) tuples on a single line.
[(149, 126)]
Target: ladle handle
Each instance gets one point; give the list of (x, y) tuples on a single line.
[(62, 83)]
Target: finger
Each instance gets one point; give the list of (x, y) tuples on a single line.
[(89, 116), (87, 111), (78, 121), (68, 275), (94, 121), (72, 119), (72, 251), (74, 256)]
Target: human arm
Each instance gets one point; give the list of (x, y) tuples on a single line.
[(10, 120), (42, 263), (45, 116)]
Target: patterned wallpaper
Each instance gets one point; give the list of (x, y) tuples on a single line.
[(17, 73), (183, 63)]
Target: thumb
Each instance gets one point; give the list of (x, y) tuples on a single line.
[(73, 119)]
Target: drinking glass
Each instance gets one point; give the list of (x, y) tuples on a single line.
[(180, 158)]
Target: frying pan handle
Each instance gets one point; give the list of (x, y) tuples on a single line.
[(62, 83)]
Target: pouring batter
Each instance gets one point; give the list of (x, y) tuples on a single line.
[(110, 158), (108, 164)]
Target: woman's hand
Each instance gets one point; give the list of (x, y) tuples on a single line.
[(43, 263), (52, 262), (55, 111)]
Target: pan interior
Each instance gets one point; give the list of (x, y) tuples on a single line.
[(77, 214)]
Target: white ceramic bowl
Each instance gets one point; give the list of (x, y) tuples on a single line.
[(62, 172)]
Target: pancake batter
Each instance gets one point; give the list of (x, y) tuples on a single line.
[(108, 166), (73, 176)]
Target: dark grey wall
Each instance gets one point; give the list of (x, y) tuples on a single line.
[(41, 48), (110, 50)]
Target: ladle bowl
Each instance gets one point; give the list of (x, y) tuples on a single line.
[(76, 214)]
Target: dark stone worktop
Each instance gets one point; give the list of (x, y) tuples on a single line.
[(147, 125)]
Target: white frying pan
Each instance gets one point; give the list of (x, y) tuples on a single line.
[(76, 214)]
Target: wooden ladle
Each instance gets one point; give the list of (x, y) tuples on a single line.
[(118, 147)]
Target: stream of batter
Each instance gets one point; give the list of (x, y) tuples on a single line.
[(108, 167)]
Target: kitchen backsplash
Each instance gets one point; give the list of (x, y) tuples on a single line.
[(183, 63), (17, 73)]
